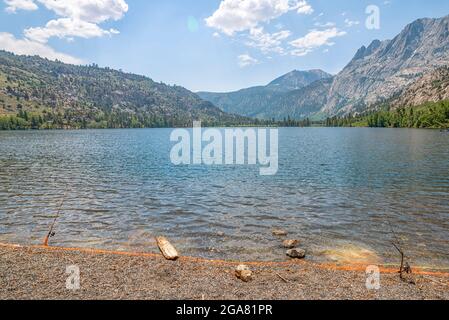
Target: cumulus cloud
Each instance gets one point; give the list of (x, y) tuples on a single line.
[(246, 60), (240, 15), (247, 18), (94, 11), (27, 47), (67, 28), (267, 42), (76, 18), (13, 5), (80, 18), (315, 39), (304, 8)]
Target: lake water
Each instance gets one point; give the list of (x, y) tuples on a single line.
[(337, 190)]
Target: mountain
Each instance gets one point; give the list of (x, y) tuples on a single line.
[(297, 80), (98, 97), (408, 70), (299, 104), (431, 87), (266, 101), (401, 71), (385, 68)]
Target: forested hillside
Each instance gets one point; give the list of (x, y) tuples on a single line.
[(431, 115), (38, 93)]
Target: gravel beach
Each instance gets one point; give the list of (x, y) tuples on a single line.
[(40, 273)]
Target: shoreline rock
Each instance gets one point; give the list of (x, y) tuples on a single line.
[(296, 253), (243, 273), (290, 244), (280, 233)]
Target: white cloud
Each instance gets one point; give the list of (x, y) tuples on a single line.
[(240, 15), (246, 60), (304, 8), (325, 25), (80, 18), (77, 18), (314, 39), (27, 47), (66, 28), (267, 42), (351, 23), (247, 16), (94, 11), (13, 5)]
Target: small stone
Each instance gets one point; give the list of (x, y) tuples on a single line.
[(243, 273), (280, 233), (290, 244), (296, 253)]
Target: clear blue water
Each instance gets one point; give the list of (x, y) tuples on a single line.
[(334, 187)]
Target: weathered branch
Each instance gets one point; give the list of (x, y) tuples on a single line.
[(401, 270), (405, 266)]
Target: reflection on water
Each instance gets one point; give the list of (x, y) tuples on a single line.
[(334, 188)]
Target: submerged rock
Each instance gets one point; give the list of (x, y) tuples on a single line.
[(352, 253), (243, 273), (296, 253), (280, 233), (290, 244)]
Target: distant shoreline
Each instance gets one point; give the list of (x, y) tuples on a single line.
[(217, 127), (430, 115)]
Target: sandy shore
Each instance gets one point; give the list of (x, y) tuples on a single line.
[(40, 273)]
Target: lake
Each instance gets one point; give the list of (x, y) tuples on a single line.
[(340, 191)]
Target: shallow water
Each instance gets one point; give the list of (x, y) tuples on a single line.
[(337, 190)]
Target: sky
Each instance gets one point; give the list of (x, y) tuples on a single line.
[(206, 45)]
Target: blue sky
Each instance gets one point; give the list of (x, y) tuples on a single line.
[(212, 45)]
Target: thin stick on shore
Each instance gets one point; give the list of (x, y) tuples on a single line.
[(282, 278), (405, 266), (50, 232)]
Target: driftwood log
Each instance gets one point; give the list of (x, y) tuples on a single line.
[(167, 249)]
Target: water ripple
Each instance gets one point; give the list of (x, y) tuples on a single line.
[(338, 190)]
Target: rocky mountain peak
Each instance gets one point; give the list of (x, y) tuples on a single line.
[(385, 68), (296, 79)]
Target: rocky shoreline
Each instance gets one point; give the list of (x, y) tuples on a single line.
[(42, 273)]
